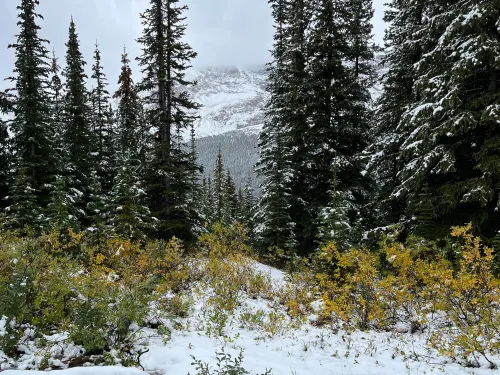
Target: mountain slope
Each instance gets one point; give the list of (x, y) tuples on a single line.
[(232, 98)]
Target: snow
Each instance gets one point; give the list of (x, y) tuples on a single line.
[(232, 98), (83, 371), (295, 349)]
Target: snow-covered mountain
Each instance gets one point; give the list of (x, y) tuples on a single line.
[(232, 116), (232, 99)]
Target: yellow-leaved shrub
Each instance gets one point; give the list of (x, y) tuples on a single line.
[(348, 287)]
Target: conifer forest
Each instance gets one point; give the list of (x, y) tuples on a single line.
[(376, 223)]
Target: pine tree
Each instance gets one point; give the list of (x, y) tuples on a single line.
[(78, 135), (32, 142), (129, 110), (131, 218), (164, 61), (276, 228), (405, 44), (334, 221), (98, 208), (62, 213), (5, 107), (248, 208), (61, 210), (218, 189), (102, 125), (203, 203), (231, 204), (334, 133), (210, 210), (360, 62), (451, 141)]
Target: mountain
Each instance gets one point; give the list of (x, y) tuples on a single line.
[(232, 98), (232, 116)]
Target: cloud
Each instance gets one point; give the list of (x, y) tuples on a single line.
[(222, 32)]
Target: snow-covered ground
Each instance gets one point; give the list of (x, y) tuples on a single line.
[(302, 350)]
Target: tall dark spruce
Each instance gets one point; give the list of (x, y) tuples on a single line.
[(275, 227), (169, 110), (131, 218), (5, 107), (33, 166), (102, 125), (78, 135), (62, 213), (451, 138), (342, 71), (404, 45)]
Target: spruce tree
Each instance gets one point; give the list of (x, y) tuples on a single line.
[(451, 141), (220, 202), (164, 61), (404, 45), (357, 19), (33, 165), (203, 203), (248, 208), (336, 133), (276, 228), (102, 125), (210, 209), (78, 135), (98, 209), (334, 221), (130, 218), (5, 107), (62, 213), (129, 109), (231, 204)]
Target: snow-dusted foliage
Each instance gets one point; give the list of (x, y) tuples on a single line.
[(169, 111), (448, 129)]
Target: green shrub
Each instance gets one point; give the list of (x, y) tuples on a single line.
[(226, 365)]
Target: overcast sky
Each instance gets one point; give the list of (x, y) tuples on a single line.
[(223, 32)]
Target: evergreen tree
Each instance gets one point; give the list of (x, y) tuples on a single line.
[(248, 208), (334, 222), (131, 218), (102, 125), (405, 43), (98, 208), (231, 204), (276, 228), (164, 61), (62, 213), (451, 141), (129, 111), (78, 135), (203, 203), (359, 59), (5, 107), (218, 189), (32, 142), (61, 210), (336, 132)]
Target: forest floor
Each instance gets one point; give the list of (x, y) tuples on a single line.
[(279, 345)]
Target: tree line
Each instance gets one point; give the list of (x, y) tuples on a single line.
[(335, 165), (424, 157)]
